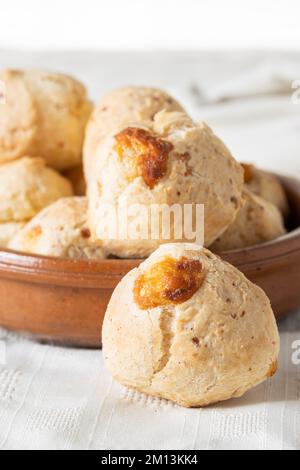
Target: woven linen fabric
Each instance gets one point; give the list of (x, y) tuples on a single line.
[(62, 398)]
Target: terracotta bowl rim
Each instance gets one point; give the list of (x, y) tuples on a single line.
[(64, 271)]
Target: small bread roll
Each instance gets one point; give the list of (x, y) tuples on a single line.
[(27, 186), (60, 230), (7, 231), (76, 176), (170, 160), (257, 222), (120, 107), (191, 329), (45, 114), (267, 186)]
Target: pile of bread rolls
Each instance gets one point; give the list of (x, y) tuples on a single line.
[(138, 143), (185, 325)]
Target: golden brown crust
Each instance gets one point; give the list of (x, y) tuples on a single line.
[(248, 172), (273, 369), (184, 164), (149, 153), (168, 282), (120, 108)]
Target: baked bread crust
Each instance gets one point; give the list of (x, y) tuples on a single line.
[(120, 107), (217, 345), (169, 160), (7, 231), (60, 230), (27, 186), (267, 186), (257, 222), (45, 115)]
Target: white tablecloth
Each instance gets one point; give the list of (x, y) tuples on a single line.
[(61, 398)]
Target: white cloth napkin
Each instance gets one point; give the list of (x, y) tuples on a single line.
[(61, 398)]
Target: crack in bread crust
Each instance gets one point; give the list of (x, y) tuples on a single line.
[(167, 327)]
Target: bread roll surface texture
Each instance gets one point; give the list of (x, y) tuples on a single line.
[(7, 232), (120, 107), (45, 114), (188, 327), (60, 230), (267, 186), (27, 186), (257, 222), (168, 161)]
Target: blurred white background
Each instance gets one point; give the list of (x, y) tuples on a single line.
[(231, 62), (150, 24)]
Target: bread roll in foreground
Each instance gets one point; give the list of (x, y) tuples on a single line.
[(188, 327), (45, 114), (170, 160), (267, 186), (120, 107), (60, 230), (258, 221)]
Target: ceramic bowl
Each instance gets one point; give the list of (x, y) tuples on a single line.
[(64, 301)]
